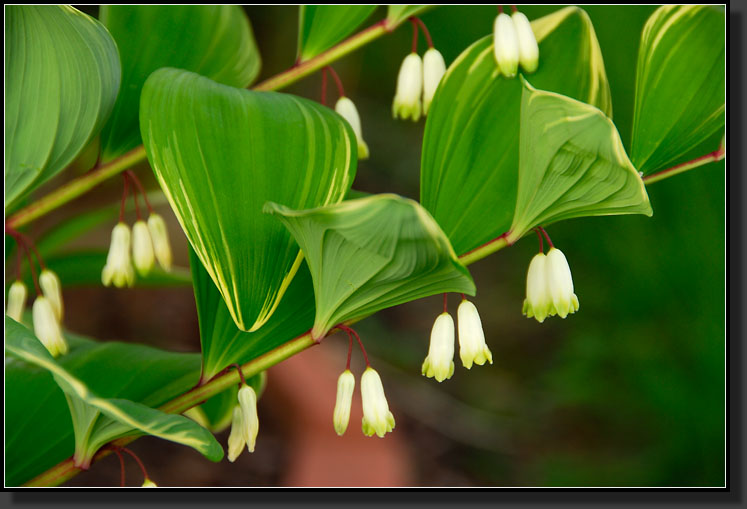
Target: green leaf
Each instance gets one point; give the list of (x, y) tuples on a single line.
[(219, 154), (212, 40), (471, 142), (322, 26), (39, 431), (224, 344), (572, 163), (368, 254), (680, 87), (62, 76), (396, 14)]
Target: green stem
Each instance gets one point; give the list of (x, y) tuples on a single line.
[(85, 183)]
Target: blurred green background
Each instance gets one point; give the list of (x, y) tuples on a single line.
[(629, 391)]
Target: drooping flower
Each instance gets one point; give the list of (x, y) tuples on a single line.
[(472, 346), (236, 441), (434, 69), (118, 268), (440, 360), (52, 289), (349, 112), (528, 49), (376, 415), (409, 89), (160, 237), (538, 303), (505, 45), (249, 419), (142, 248), (345, 387), (17, 300), (560, 283), (46, 327)]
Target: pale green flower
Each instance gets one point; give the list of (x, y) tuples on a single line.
[(439, 363), (345, 387), (349, 112), (118, 268), (236, 441), (538, 303), (434, 69), (376, 415), (528, 49), (409, 89), (142, 248), (249, 419), (506, 45), (160, 237), (560, 283), (472, 346), (46, 327), (17, 300)]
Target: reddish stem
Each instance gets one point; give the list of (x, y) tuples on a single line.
[(360, 343), (121, 467), (141, 188), (464, 297), (140, 463), (350, 350), (446, 309), (500, 9), (23, 242), (414, 35), (241, 373), (547, 237), (324, 86), (425, 31), (513, 8), (124, 197), (137, 205), (539, 236), (338, 82)]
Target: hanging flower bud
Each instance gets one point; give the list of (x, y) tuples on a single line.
[(538, 303), (160, 237), (376, 415), (52, 289), (440, 360), (409, 89), (118, 268), (142, 248), (560, 283), (345, 387), (249, 419), (46, 327), (17, 300), (348, 111), (236, 440), (506, 45), (434, 68), (149, 484), (528, 49), (472, 347)]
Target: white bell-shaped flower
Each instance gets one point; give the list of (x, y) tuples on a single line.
[(17, 296), (347, 110), (376, 415), (52, 289), (345, 387), (409, 89), (560, 283), (434, 69), (538, 303), (528, 48), (439, 363), (118, 268), (236, 441), (46, 327), (142, 248), (506, 45), (160, 237), (249, 418), (472, 346)]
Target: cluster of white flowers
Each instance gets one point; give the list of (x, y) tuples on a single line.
[(47, 311), (417, 78), (149, 241), (514, 43), (439, 363), (549, 287), (377, 418)]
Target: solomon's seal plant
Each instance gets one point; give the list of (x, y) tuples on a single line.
[(285, 253)]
